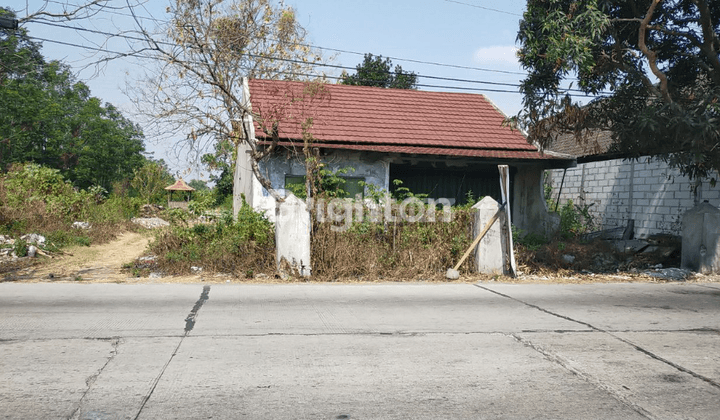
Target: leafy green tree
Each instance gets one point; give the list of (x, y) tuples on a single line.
[(199, 185), (149, 181), (654, 64), (51, 119), (221, 161), (374, 71)]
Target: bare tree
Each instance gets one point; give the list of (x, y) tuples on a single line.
[(63, 11), (200, 59)]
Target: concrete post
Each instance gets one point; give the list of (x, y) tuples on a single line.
[(530, 212), (243, 176), (701, 239), (489, 255), (292, 236)]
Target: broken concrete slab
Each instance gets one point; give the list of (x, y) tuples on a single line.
[(630, 246)]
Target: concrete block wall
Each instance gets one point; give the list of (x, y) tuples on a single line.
[(648, 191)]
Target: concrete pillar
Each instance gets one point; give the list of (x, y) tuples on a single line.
[(489, 255), (242, 178), (292, 236), (701, 239), (529, 211)]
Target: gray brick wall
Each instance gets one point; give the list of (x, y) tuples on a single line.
[(648, 191)]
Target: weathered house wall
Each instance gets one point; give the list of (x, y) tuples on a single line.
[(648, 191), (374, 171)]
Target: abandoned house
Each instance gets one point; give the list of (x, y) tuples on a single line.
[(445, 145)]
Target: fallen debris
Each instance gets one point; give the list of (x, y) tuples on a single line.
[(674, 274), (150, 222)]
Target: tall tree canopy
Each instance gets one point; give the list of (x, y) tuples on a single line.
[(374, 71), (50, 118), (653, 63)]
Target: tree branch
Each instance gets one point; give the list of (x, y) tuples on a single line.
[(711, 43), (68, 14), (651, 55)]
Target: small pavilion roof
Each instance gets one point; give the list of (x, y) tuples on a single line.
[(179, 185)]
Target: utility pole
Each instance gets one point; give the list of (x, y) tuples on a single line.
[(6, 23)]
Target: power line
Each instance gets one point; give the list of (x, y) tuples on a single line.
[(337, 50), (464, 88), (483, 7), (340, 67), (335, 66)]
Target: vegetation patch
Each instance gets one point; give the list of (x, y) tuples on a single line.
[(37, 199), (394, 250), (240, 247)]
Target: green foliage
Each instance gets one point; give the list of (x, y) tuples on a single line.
[(199, 185), (50, 119), (202, 201), (374, 71), (149, 182), (470, 200), (114, 210), (575, 220), (530, 241), (655, 64), (32, 184), (38, 199), (59, 239), (400, 192), (547, 192), (224, 186), (373, 192), (328, 183), (222, 160), (178, 217), (391, 249), (225, 245), (20, 247)]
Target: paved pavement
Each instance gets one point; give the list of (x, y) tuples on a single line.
[(392, 351)]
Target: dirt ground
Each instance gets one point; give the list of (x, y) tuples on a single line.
[(108, 263)]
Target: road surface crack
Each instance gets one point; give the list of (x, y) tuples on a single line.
[(628, 342), (90, 380), (189, 325), (577, 371)]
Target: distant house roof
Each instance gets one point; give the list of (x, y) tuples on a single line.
[(597, 146), (179, 185), (390, 120)]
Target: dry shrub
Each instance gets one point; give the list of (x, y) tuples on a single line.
[(241, 247), (36, 199), (392, 250), (559, 257)]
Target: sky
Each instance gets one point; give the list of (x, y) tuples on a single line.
[(455, 46)]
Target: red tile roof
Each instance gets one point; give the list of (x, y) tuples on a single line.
[(389, 120)]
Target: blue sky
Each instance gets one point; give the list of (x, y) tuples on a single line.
[(477, 35)]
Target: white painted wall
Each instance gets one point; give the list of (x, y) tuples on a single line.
[(648, 191), (292, 236)]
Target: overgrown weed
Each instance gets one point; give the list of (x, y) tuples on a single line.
[(222, 246), (396, 250), (36, 199)]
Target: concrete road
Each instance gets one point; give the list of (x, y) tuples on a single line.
[(395, 351)]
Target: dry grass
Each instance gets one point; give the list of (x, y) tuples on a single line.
[(396, 250)]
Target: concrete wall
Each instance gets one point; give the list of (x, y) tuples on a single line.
[(375, 171), (648, 191)]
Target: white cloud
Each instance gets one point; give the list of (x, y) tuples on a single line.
[(500, 55)]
